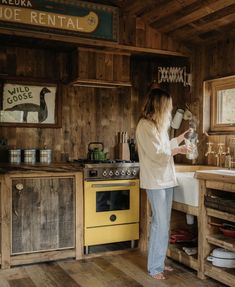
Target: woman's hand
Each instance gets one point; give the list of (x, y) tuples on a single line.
[(183, 149), (180, 138)]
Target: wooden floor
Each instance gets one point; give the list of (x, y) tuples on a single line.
[(128, 269)]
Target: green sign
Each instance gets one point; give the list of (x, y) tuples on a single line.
[(61, 17)]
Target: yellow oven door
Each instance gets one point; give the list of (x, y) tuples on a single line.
[(111, 211), (111, 202)]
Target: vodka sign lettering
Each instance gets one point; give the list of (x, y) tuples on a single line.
[(60, 17)]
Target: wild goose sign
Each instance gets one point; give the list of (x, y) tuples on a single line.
[(61, 17), (28, 104)]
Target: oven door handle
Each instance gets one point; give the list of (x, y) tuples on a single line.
[(96, 185)]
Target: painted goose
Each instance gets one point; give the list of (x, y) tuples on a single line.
[(29, 107)]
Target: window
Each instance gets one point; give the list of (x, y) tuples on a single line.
[(219, 96), (226, 106)]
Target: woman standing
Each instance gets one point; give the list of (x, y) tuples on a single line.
[(157, 172)]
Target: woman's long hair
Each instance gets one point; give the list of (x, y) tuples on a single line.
[(158, 108)]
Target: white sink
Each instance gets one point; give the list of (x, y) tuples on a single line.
[(187, 191)]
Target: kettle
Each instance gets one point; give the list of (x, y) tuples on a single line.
[(96, 151)]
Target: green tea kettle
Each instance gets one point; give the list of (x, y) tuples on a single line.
[(96, 151)]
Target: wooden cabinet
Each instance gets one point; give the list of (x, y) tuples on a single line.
[(178, 221), (93, 67), (43, 214), (42, 217), (210, 236)]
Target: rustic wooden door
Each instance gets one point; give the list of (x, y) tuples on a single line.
[(43, 214)]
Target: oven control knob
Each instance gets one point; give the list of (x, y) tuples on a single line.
[(117, 173), (113, 217), (128, 172), (110, 173), (105, 173), (134, 171), (123, 172)]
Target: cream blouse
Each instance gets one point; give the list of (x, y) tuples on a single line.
[(157, 169)]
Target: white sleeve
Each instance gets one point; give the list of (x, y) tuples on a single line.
[(174, 143)]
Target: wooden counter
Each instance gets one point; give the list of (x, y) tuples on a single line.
[(191, 168), (41, 212), (6, 168), (217, 183)]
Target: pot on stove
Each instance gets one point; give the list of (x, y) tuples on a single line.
[(96, 151)]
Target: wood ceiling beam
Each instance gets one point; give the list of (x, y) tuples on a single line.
[(138, 6), (165, 9), (190, 14), (215, 36), (210, 37), (211, 23)]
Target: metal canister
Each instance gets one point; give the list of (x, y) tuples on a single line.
[(15, 156), (30, 156), (45, 156)]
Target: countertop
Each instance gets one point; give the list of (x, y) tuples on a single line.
[(26, 168), (193, 168), (6, 168), (224, 175)]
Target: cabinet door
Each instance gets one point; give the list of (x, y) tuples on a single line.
[(105, 66), (43, 214)]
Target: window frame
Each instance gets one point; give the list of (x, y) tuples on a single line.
[(211, 98)]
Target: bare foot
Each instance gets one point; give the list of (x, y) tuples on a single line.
[(159, 276), (168, 268)]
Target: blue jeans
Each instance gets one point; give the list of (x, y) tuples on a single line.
[(161, 203)]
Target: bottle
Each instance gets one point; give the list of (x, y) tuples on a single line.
[(191, 140), (228, 159)]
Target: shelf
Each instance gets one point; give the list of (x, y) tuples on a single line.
[(222, 241), (221, 184), (185, 208), (174, 251), (220, 214), (224, 275), (98, 44), (99, 83)]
